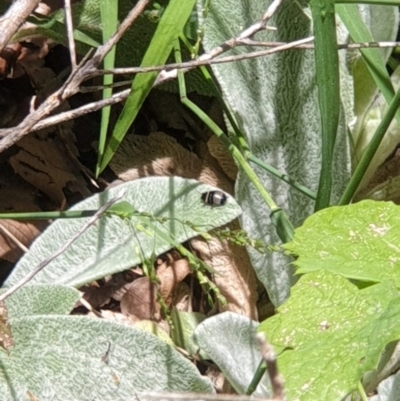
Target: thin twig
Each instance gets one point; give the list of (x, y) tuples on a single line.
[(120, 96), (71, 87), (59, 251), (70, 33), (36, 119), (15, 16), (276, 379)]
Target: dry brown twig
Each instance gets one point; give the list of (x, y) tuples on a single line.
[(71, 86), (36, 120), (15, 16), (70, 33), (87, 70)]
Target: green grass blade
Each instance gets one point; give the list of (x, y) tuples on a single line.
[(109, 20), (327, 69), (360, 33), (170, 26)]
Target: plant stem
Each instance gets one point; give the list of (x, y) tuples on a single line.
[(261, 369)]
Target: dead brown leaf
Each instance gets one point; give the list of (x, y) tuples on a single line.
[(233, 275), (44, 165), (181, 299), (159, 154), (98, 295), (170, 276), (16, 197), (140, 300)]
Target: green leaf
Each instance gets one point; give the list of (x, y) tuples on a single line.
[(275, 101), (359, 241), (41, 299), (333, 333), (114, 244), (229, 340), (65, 358)]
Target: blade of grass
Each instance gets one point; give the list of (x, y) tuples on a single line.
[(170, 26), (327, 77), (109, 21)]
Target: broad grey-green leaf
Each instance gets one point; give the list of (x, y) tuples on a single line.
[(112, 245), (41, 299), (274, 99), (359, 241), (229, 340), (388, 389), (81, 358), (333, 333)]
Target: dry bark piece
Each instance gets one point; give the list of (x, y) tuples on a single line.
[(140, 300)]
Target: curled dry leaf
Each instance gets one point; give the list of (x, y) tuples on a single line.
[(159, 154), (12, 232), (117, 317), (170, 276), (44, 165), (221, 154), (385, 183)]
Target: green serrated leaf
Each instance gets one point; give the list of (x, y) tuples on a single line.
[(333, 333), (359, 241), (80, 358), (172, 205)]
